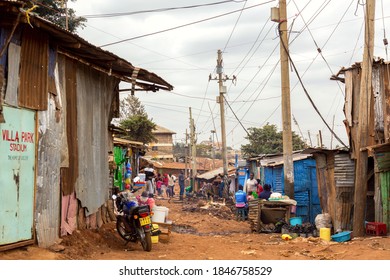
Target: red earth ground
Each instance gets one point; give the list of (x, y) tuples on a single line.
[(203, 235)]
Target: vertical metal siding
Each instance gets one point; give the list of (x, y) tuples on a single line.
[(69, 174), (344, 177), (48, 176), (33, 87), (95, 92)]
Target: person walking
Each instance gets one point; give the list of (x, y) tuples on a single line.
[(171, 184), (181, 184), (250, 184)]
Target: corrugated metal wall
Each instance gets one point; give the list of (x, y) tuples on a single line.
[(344, 177), (33, 87), (95, 92), (69, 174), (52, 149), (305, 184)]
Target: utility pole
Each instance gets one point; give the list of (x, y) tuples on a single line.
[(185, 157), (193, 150), (213, 147), (222, 91), (360, 197), (286, 107), (311, 143), (221, 100)]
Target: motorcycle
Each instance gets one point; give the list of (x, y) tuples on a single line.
[(133, 221)]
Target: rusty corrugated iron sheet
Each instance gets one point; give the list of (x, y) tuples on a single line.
[(76, 47), (70, 174), (33, 82)]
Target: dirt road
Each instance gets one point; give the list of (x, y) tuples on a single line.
[(204, 235)]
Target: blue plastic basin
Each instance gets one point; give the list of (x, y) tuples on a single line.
[(296, 221), (342, 236)]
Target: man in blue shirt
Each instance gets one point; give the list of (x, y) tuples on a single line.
[(241, 200), (266, 193)]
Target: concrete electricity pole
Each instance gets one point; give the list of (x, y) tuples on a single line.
[(286, 107), (221, 99), (360, 198)]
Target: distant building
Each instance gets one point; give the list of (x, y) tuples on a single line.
[(163, 148)]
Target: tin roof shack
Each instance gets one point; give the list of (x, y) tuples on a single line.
[(336, 185), (378, 132), (305, 182), (58, 95)]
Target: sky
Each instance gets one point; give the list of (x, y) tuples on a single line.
[(179, 41)]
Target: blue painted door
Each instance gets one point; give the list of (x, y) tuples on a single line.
[(315, 206), (17, 169)]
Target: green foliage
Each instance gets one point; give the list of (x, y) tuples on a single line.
[(54, 11), (267, 140), (130, 106), (139, 128), (135, 121)]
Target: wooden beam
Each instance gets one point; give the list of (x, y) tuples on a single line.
[(360, 197)]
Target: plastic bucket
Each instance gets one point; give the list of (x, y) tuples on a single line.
[(160, 213), (154, 239), (296, 221), (325, 234)]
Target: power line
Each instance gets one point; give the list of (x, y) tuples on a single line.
[(234, 27), (236, 116), (185, 25), (309, 97), (158, 10)]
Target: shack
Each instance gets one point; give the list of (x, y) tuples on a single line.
[(305, 181), (336, 185), (58, 95), (376, 189)]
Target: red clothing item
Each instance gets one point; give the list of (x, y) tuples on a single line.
[(259, 189)]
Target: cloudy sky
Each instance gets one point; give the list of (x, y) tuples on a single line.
[(186, 55)]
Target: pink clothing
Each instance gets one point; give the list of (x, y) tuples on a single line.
[(146, 201)]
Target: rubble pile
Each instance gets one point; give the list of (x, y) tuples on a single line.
[(216, 209)]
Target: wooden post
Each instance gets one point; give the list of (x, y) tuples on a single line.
[(360, 197)]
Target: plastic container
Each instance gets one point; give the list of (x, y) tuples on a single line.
[(142, 177), (342, 236), (325, 234), (296, 221), (160, 214)]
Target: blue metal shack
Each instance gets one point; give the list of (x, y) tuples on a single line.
[(305, 182)]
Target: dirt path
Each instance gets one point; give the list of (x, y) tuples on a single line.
[(203, 235)]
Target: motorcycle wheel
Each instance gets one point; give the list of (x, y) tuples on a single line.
[(146, 240), (121, 227)]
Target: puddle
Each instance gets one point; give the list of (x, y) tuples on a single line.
[(187, 229)]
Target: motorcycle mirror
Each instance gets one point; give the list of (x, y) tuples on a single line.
[(114, 196)]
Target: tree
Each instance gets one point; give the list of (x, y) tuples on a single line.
[(130, 106), (139, 128), (56, 12), (267, 140), (135, 121)]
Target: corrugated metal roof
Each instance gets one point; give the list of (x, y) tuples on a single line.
[(121, 141), (278, 160), (159, 129), (214, 173), (76, 47)]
